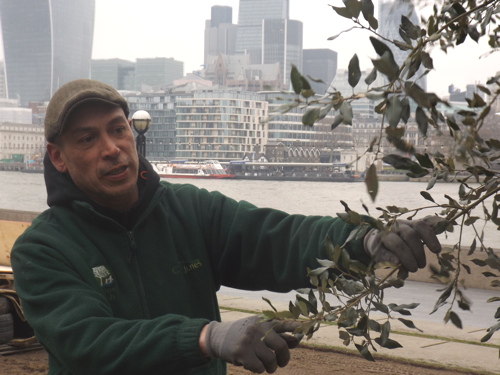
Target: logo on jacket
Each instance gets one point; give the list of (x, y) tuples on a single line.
[(186, 267), (103, 276), (106, 281)]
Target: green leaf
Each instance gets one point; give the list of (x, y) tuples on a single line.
[(370, 78), (354, 72), (363, 350), (422, 121), (343, 12), (367, 9), (424, 160), (393, 111), (310, 117), (427, 196), (409, 324), (380, 307), (384, 336), (427, 60), (454, 319), (409, 28), (371, 182), (388, 344), (296, 79), (354, 7), (414, 65), (346, 112), (406, 111), (374, 325), (336, 121), (399, 162), (386, 66)]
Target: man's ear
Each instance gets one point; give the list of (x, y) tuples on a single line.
[(55, 156)]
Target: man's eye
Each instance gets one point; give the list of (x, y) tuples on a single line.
[(88, 139), (120, 130)]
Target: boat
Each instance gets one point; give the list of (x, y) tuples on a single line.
[(289, 171), (209, 169)]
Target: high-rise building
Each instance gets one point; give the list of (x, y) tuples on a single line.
[(220, 33), (390, 13), (319, 64), (157, 73), (250, 17), (221, 14), (117, 73), (46, 44), (282, 43)]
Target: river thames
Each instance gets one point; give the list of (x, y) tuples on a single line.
[(26, 191)]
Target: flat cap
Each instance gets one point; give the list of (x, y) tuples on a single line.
[(71, 95)]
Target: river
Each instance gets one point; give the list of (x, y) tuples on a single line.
[(26, 191)]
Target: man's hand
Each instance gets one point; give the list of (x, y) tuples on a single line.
[(403, 243), (250, 342)]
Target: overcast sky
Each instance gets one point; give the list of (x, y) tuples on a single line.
[(131, 29)]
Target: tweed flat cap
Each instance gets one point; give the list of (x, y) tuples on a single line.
[(71, 95)]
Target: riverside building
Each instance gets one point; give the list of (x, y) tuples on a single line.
[(221, 124)]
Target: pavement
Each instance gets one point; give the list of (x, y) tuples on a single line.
[(439, 344)]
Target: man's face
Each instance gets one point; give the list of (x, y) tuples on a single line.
[(97, 149)]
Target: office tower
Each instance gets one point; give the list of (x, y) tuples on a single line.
[(46, 44), (220, 33), (282, 43), (158, 73), (266, 33), (250, 17), (221, 14), (117, 73), (319, 64), (390, 13)]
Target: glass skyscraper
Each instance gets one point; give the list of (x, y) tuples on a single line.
[(250, 17), (266, 33), (46, 44)]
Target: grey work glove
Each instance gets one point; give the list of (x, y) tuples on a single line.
[(403, 242), (256, 345)]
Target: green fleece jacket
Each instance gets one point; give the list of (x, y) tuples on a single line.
[(104, 299)]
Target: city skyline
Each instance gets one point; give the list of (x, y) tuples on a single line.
[(132, 29), (128, 30)]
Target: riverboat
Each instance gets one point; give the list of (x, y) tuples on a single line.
[(209, 169), (284, 171)]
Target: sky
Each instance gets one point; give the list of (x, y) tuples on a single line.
[(131, 29)]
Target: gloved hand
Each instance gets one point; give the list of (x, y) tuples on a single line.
[(256, 345), (403, 242)]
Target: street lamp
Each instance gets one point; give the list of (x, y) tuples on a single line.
[(141, 121)]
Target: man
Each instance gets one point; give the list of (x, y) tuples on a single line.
[(119, 275)]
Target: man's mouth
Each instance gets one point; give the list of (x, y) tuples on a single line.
[(116, 171)]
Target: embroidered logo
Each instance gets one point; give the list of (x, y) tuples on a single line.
[(106, 281), (186, 267), (103, 276)]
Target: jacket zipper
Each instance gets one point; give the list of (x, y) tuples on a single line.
[(134, 252)]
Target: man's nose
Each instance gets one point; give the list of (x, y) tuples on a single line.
[(109, 147)]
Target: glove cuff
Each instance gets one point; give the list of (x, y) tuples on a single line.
[(209, 339), (370, 240)]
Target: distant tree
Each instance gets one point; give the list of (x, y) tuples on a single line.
[(471, 160)]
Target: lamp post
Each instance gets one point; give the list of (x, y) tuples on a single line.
[(141, 121)]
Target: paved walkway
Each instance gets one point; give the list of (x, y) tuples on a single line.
[(439, 344)]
